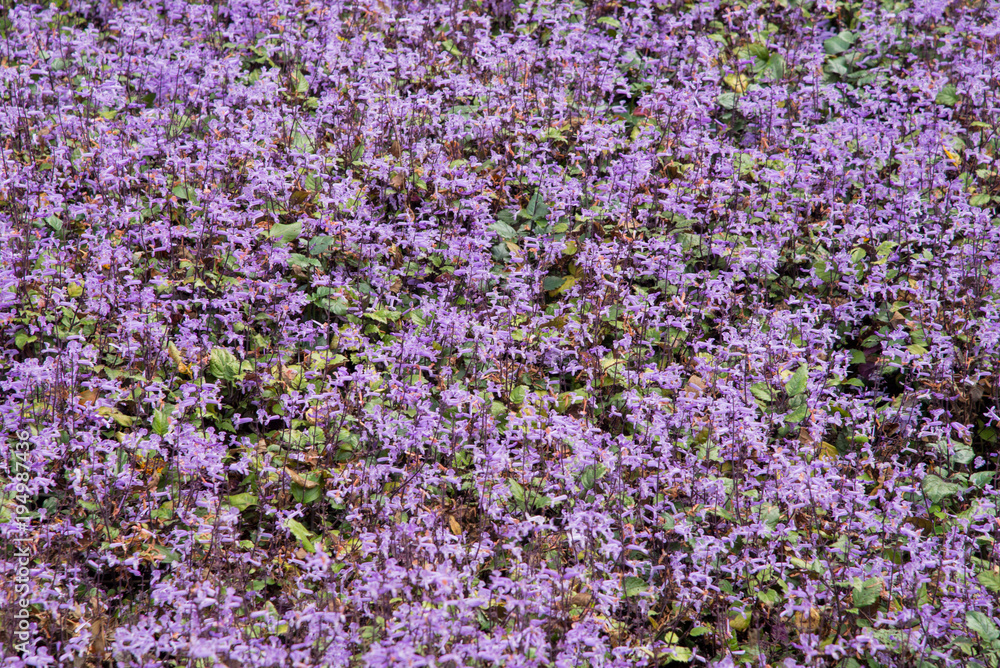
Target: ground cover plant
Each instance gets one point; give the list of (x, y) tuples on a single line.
[(499, 333)]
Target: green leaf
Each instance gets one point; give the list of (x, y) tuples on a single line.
[(614, 313), (956, 451), (937, 488), (242, 501), (965, 644), (301, 261), (383, 315), (983, 625), (797, 415), (699, 631), (287, 233), (517, 493), (321, 244), (167, 555), (990, 580), (305, 495), (836, 66), (500, 252), (775, 67), (539, 501), (449, 46), (518, 394), (727, 100), (885, 248), (302, 533), (590, 475), (866, 593), (347, 440), (762, 391), (634, 586), (335, 305), (948, 95), (536, 209), (770, 515), (314, 182), (223, 364), (550, 283), (183, 192), (338, 306), (768, 597), (21, 339), (503, 229), (980, 200), (838, 44), (796, 383), (554, 134), (302, 143), (981, 478), (161, 421)]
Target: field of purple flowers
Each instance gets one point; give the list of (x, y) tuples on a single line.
[(555, 333)]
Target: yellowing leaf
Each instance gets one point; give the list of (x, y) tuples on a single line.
[(299, 479), (952, 157), (828, 451), (122, 419), (676, 653), (738, 83), (808, 622), (739, 620), (178, 359)]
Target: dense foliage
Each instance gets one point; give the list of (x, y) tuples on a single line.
[(491, 333)]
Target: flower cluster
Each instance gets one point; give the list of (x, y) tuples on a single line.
[(499, 333)]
